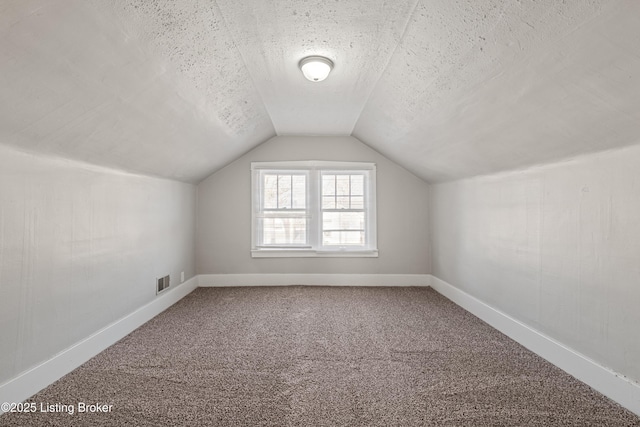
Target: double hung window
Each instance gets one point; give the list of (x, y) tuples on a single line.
[(313, 208)]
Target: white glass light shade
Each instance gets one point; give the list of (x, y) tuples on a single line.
[(316, 68)]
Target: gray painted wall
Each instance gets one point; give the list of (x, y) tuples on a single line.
[(556, 247), (224, 213), (81, 247)]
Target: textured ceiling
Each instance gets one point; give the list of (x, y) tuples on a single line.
[(448, 89)]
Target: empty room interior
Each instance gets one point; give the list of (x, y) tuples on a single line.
[(310, 212)]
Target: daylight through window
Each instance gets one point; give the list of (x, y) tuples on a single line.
[(313, 208)]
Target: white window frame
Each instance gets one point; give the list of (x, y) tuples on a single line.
[(314, 247)]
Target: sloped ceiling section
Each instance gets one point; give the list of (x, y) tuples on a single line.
[(151, 87), (447, 88), (480, 87)]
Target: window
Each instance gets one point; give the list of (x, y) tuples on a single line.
[(313, 208)]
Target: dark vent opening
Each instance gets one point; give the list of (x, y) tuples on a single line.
[(163, 283)]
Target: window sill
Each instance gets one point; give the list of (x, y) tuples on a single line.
[(311, 253)]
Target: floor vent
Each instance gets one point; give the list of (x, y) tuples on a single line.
[(163, 283)]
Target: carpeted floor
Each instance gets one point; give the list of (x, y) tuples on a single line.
[(320, 356)]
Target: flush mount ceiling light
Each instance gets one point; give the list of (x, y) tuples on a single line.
[(316, 68)]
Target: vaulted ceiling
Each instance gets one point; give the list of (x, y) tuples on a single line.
[(447, 88)]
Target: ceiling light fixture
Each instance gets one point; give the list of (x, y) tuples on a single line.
[(316, 68)]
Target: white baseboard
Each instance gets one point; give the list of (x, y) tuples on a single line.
[(214, 280), (32, 381), (607, 382), (611, 384)]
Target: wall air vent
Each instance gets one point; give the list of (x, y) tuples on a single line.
[(163, 283)]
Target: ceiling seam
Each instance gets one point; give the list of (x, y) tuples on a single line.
[(500, 18), (386, 65), (244, 62)]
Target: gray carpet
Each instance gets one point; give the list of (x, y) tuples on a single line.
[(321, 356)]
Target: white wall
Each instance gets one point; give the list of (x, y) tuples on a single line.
[(81, 247), (224, 213), (556, 247)]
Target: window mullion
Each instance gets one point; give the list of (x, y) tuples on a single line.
[(350, 176), (278, 191), (335, 190), (314, 208)]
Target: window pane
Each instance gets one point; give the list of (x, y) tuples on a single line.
[(328, 185), (342, 221), (284, 231), (284, 191), (342, 185), (270, 189), (299, 192), (329, 202), (357, 185), (343, 238), (342, 202), (357, 202)]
